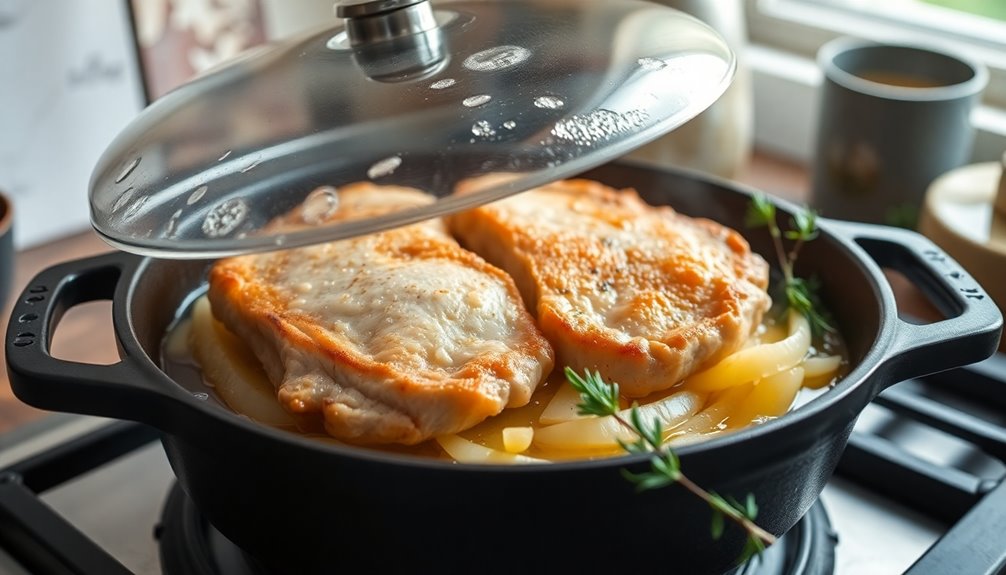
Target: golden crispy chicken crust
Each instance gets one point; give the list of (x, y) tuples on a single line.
[(393, 337), (643, 294)]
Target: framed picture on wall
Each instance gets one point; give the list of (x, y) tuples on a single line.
[(178, 39)]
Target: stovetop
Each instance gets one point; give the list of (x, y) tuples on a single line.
[(919, 490)]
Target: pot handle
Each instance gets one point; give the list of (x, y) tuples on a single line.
[(973, 324), (124, 390)]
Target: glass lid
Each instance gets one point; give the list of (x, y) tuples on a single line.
[(491, 97)]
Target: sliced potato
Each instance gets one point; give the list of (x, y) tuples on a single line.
[(758, 362), (603, 433), (517, 439), (228, 365), (464, 451)]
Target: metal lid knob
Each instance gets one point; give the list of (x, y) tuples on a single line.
[(363, 8), (373, 21)]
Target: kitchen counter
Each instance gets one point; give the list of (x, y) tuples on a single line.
[(85, 333)]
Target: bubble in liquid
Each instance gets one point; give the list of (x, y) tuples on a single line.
[(651, 63), (475, 101), (509, 124), (225, 218), (549, 102), (320, 204), (443, 84), (127, 170), (196, 195), (497, 58), (483, 129), (385, 167)]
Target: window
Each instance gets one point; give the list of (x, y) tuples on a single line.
[(786, 34)]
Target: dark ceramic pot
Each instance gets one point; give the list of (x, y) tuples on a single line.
[(301, 506)]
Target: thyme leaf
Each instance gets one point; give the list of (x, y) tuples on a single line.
[(800, 294), (598, 397)]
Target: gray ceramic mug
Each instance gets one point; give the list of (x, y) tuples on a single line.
[(892, 118)]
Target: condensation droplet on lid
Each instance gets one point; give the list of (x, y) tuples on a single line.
[(201, 396), (443, 84), (320, 204), (651, 63), (225, 218), (280, 240), (483, 129), (127, 170), (497, 58), (123, 199), (549, 102), (474, 101), (385, 167), (224, 157), (196, 195), (598, 126), (135, 208), (509, 124), (251, 166), (173, 224)]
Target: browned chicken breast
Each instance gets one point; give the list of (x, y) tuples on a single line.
[(643, 294), (392, 337)]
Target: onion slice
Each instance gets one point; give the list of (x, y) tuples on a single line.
[(604, 433), (814, 367), (770, 397), (712, 420), (464, 451), (230, 367), (757, 362), (562, 407)]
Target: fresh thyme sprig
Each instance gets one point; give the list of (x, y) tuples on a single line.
[(598, 397), (801, 294)]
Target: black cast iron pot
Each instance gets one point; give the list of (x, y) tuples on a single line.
[(301, 506)]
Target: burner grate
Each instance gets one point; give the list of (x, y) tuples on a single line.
[(969, 405), (32, 532)]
